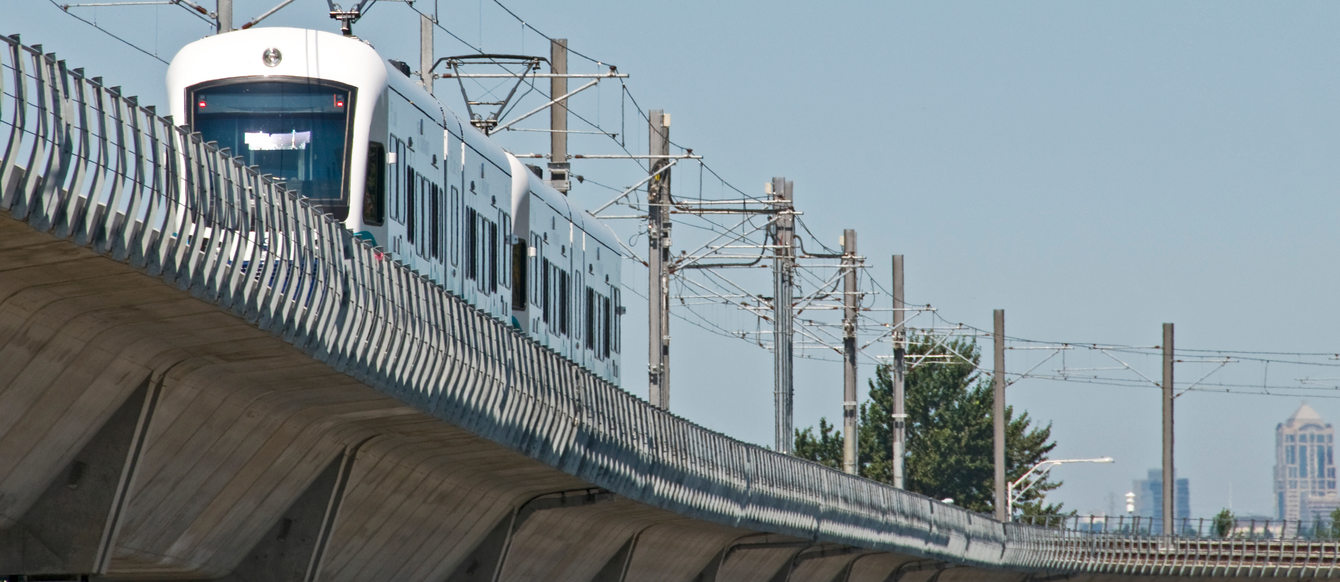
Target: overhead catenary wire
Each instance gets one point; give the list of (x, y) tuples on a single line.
[(115, 36), (716, 292), (820, 286), (707, 224)]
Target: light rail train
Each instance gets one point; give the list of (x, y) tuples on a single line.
[(350, 131)]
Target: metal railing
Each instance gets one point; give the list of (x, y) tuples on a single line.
[(1244, 547), (84, 163), (1319, 528)]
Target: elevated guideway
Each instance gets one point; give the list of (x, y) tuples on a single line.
[(203, 378)]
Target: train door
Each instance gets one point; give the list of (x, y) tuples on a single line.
[(453, 158), (372, 205), (396, 228)]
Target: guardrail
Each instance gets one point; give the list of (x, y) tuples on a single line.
[(85, 163), (1318, 529), (1128, 545)]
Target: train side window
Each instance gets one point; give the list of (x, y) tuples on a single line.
[(506, 257), (485, 266), (472, 244), (424, 204), (618, 317), (409, 204), (435, 222), (590, 321), (564, 301), (605, 327), (519, 274), (481, 252), (482, 249), (374, 188), (493, 257), (453, 233)]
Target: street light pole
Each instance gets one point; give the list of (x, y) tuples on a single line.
[(1041, 469)]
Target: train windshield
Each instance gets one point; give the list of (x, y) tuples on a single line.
[(296, 131)]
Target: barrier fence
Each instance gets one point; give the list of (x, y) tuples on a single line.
[(1319, 528)]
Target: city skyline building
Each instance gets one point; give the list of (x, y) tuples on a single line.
[(1149, 499), (1304, 465)]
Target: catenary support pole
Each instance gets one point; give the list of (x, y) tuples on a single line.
[(783, 284), (558, 116), (1169, 475), (224, 16), (658, 262), (899, 372), (998, 413), (426, 52), (849, 307)]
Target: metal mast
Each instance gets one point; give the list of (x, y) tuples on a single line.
[(899, 373), (658, 261), (1169, 478), (849, 305), (558, 116), (426, 52), (783, 285), (224, 14), (998, 414)]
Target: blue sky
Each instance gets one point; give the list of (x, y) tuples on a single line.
[(1095, 169)]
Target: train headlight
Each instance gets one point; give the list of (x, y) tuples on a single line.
[(271, 57)]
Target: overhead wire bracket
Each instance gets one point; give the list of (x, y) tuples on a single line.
[(518, 67)]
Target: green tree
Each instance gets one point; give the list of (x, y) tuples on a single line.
[(824, 447), (949, 432), (1224, 523)]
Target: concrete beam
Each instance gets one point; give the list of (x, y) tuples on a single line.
[(485, 562), (914, 566), (294, 547), (616, 569), (825, 562), (765, 551), (783, 574), (71, 527)]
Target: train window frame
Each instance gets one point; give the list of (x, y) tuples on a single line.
[(480, 237), (455, 221), (435, 225), (518, 270), (494, 263), (505, 232), (374, 187), (411, 217), (472, 243), (564, 302), (424, 205), (588, 318), (606, 317), (341, 208)]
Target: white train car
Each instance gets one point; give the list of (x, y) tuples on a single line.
[(355, 135), (568, 298)]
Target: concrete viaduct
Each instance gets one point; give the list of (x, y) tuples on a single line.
[(181, 402)]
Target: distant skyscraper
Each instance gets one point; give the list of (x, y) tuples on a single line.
[(1304, 463), (1149, 500)]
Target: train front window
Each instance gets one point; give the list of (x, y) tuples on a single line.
[(295, 131)]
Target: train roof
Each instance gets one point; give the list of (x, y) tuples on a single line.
[(278, 52)]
